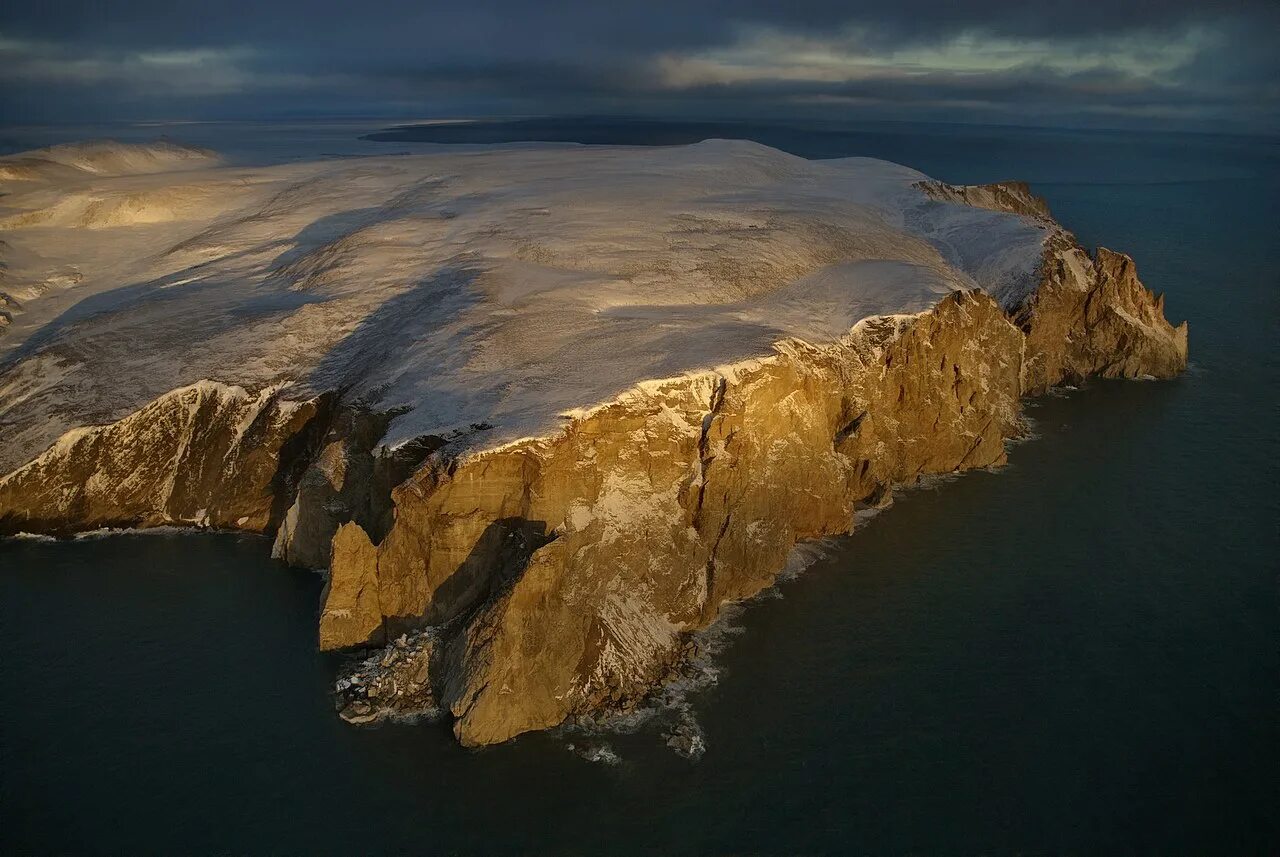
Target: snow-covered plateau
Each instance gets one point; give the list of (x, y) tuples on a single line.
[(542, 409)]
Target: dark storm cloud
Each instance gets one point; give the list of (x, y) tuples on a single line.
[(1168, 60), (560, 23)]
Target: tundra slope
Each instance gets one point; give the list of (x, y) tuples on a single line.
[(542, 409)]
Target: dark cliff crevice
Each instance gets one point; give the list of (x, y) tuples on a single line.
[(296, 456), (347, 476), (705, 455)]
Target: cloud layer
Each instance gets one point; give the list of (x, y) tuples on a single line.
[(1144, 62)]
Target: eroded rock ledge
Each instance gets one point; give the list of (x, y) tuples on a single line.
[(563, 575)]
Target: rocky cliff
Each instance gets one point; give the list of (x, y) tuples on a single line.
[(207, 455), (1089, 314), (567, 573), (1092, 317), (518, 578), (1011, 197)]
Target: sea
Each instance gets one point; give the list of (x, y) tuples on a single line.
[(1078, 653)]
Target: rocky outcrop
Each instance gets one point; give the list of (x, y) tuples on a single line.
[(205, 455), (214, 455), (393, 683), (353, 607), (1013, 197), (1092, 317), (334, 488), (1089, 315)]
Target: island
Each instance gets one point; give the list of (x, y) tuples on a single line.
[(539, 412)]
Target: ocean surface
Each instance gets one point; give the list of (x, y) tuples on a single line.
[(1079, 653)]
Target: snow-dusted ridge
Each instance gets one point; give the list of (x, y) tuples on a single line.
[(69, 161)]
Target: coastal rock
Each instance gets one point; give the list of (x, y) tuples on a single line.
[(208, 455), (334, 489), (686, 739), (349, 479), (1092, 317), (390, 685), (352, 614), (1010, 196), (1089, 315), (763, 454)]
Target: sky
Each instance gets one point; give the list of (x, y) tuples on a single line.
[(1080, 63)]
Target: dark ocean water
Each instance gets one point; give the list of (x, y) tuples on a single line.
[(1079, 653)]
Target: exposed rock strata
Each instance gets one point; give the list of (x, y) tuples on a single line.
[(1089, 315), (350, 478), (352, 601), (206, 455), (1013, 197), (690, 493), (1092, 317)]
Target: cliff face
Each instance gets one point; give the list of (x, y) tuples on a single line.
[(1091, 316), (348, 479), (578, 564), (516, 583), (692, 494), (569, 571), (1088, 315), (206, 455)]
